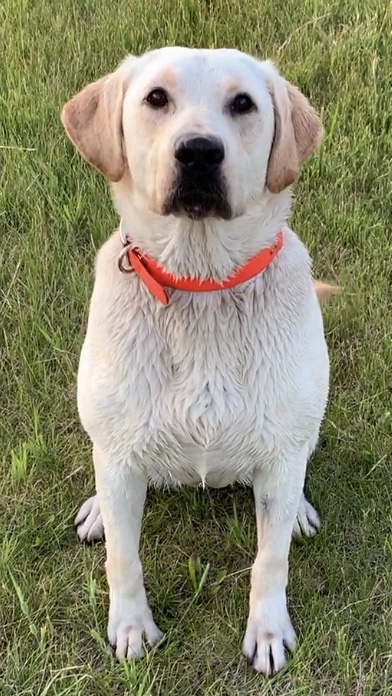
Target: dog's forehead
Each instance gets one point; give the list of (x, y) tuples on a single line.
[(187, 68)]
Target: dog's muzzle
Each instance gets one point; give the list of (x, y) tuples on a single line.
[(199, 189)]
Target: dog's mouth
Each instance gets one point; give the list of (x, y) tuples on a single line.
[(198, 198)]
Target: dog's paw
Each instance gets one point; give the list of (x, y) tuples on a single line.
[(269, 635), (88, 521), (129, 622), (307, 523)]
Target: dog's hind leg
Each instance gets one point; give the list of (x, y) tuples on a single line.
[(89, 524), (307, 522), (88, 521)]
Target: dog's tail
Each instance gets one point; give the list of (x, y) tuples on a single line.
[(324, 291)]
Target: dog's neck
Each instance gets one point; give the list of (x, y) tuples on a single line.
[(208, 249)]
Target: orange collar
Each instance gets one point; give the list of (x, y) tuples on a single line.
[(155, 278)]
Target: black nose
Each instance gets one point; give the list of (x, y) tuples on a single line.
[(202, 155)]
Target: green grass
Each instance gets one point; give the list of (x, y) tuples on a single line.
[(54, 213)]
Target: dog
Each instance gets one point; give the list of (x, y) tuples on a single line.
[(205, 360)]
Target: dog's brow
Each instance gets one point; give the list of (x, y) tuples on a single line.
[(231, 84), (168, 78)]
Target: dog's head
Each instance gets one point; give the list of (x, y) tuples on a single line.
[(198, 133)]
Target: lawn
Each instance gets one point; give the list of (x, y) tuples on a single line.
[(55, 212)]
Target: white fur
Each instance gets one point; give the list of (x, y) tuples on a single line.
[(215, 387)]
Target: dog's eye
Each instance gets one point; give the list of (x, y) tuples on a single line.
[(242, 104), (157, 98)]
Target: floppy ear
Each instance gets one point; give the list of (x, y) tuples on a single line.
[(93, 122), (298, 131)]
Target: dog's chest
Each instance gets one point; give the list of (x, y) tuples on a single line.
[(187, 390), (205, 414)]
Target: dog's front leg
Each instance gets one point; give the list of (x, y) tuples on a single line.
[(121, 492), (269, 632)]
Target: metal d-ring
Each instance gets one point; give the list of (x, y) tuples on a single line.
[(120, 261)]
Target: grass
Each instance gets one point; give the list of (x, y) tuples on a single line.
[(197, 547)]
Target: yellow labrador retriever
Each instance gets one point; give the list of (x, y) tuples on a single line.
[(204, 360)]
